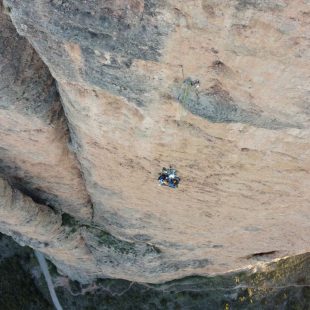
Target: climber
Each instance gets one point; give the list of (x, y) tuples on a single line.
[(190, 82), (162, 179), (174, 182), (168, 177), (188, 87), (195, 83)]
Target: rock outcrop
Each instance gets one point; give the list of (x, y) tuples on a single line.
[(123, 69), (33, 132)]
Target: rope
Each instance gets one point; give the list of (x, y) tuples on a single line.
[(42, 261)]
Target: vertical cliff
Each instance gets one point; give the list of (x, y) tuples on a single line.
[(121, 72), (34, 151)]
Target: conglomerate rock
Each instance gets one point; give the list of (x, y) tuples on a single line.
[(240, 142)]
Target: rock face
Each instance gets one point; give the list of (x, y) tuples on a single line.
[(33, 134), (123, 68)]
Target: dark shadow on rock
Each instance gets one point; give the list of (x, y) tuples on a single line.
[(216, 105), (260, 5)]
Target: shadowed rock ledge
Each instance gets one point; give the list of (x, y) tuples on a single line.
[(33, 132)]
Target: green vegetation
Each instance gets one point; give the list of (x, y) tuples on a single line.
[(117, 245), (284, 284), (70, 222), (121, 246), (106, 239), (17, 290), (281, 285)]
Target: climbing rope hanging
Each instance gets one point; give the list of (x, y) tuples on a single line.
[(188, 88), (168, 177)]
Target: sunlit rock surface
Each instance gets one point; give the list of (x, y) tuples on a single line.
[(240, 142)]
